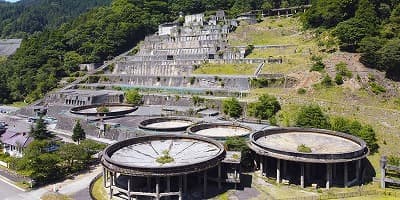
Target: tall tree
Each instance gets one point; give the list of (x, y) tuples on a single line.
[(78, 134), (39, 132)]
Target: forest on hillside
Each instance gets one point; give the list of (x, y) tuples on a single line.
[(369, 27), (97, 35), (25, 17)]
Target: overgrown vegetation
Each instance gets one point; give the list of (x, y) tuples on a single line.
[(102, 109), (369, 27), (304, 149), (133, 96), (165, 158), (312, 116), (266, 107), (232, 107)]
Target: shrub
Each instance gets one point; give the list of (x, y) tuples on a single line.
[(327, 81), (301, 91), (376, 88), (266, 107), (165, 158), (339, 79), (304, 149), (232, 107), (354, 127), (312, 116), (133, 97), (102, 109), (341, 68), (393, 160)]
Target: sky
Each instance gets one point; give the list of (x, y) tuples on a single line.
[(12, 0)]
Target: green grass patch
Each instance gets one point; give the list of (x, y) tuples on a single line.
[(99, 191), (55, 196), (270, 31), (226, 69)]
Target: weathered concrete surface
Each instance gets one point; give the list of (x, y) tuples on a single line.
[(183, 151), (319, 143), (223, 132)]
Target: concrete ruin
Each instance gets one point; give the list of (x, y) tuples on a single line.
[(332, 158), (146, 166), (85, 97)]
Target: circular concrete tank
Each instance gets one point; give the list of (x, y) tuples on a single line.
[(219, 131), (114, 109), (166, 124), (139, 156), (325, 145)]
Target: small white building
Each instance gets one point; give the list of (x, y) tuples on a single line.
[(194, 20), (167, 28), (14, 142)]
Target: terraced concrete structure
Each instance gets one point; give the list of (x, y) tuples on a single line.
[(168, 58), (138, 167), (166, 124), (330, 158), (219, 131)]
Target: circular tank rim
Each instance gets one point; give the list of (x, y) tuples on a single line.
[(76, 110), (360, 153), (143, 124), (116, 166), (197, 127)]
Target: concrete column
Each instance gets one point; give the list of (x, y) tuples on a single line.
[(168, 180), (265, 166), (180, 188), (284, 170), (104, 177), (383, 162), (346, 175), (302, 175), (219, 176), (148, 184), (278, 171), (261, 164), (328, 175), (334, 171), (157, 188), (129, 188), (205, 184), (185, 183), (111, 184), (358, 171)]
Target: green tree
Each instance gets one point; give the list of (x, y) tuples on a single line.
[(311, 116), (133, 97), (266, 107), (38, 163), (74, 157), (390, 59), (232, 107), (39, 132), (78, 134)]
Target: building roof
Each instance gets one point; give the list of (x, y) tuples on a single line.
[(16, 138)]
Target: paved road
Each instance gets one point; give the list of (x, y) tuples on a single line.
[(7, 191)]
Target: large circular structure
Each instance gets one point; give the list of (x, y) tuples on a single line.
[(219, 131), (141, 156), (309, 156), (166, 124), (326, 146), (111, 109)]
